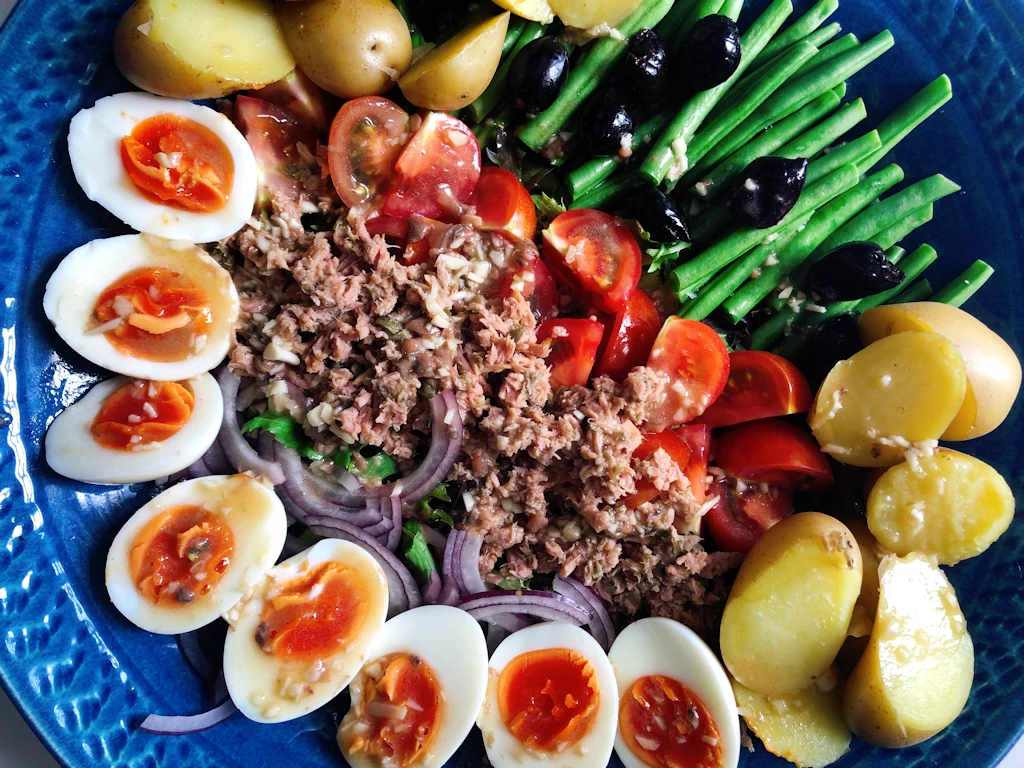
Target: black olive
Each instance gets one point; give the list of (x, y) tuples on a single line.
[(659, 215), (832, 341), (710, 52), (646, 67), (537, 74), (607, 118), (768, 190), (853, 271)]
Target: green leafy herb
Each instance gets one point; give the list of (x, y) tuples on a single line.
[(510, 582), (379, 466), (665, 255), (547, 209), (435, 514), (286, 431), (415, 551)]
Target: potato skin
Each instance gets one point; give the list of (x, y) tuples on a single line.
[(350, 48)]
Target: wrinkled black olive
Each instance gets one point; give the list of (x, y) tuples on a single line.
[(645, 69), (607, 118), (832, 341), (768, 190), (659, 215), (853, 271), (710, 52), (537, 74)]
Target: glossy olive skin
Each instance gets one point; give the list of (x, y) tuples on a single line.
[(659, 215), (607, 118), (710, 52), (537, 75), (830, 342), (645, 69), (768, 189), (853, 271)]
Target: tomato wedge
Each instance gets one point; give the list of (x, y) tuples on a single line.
[(740, 517), (698, 438), (594, 255), (272, 133), (502, 202), (365, 142), (674, 445), (761, 385), (630, 337), (300, 96), (574, 344), (528, 276), (437, 170), (773, 451), (696, 361)]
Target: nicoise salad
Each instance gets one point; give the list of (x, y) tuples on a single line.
[(550, 367)]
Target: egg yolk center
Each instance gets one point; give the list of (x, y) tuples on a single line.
[(314, 615), (395, 719), (181, 555), (140, 413), (154, 314), (548, 698), (666, 725), (177, 161)]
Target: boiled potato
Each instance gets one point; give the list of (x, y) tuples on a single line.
[(350, 48), (806, 728), (456, 73), (898, 391), (916, 674), (949, 504), (534, 10), (788, 612), (993, 370), (586, 14), (871, 554), (195, 49)]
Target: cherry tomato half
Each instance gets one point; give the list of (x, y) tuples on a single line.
[(740, 517), (574, 344), (272, 133), (630, 336), (502, 202), (761, 385), (696, 361), (300, 96), (526, 274), (595, 255), (365, 142), (773, 451), (437, 170), (674, 445), (698, 438)]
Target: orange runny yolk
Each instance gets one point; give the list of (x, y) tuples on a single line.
[(397, 715), (177, 161), (666, 725), (157, 314), (140, 413), (181, 555), (548, 698)]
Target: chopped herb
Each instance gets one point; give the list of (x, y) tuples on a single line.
[(510, 582), (547, 209), (415, 551), (380, 466), (665, 255), (391, 324), (434, 514), (286, 431)]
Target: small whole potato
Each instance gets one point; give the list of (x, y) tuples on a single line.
[(350, 48)]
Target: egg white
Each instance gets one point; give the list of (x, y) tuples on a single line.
[(595, 747), (659, 646), (451, 642), (85, 273), (94, 142), (258, 523), (254, 678)]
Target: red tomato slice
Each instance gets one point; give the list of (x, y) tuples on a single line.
[(365, 142), (773, 451), (528, 275), (300, 96), (696, 361), (502, 202), (574, 346), (631, 334), (437, 170), (761, 385), (739, 518), (698, 438), (595, 255), (272, 133), (389, 226)]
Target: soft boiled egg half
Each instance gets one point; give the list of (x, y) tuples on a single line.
[(551, 700), (133, 431), (192, 552), (305, 631), (164, 166), (676, 704), (416, 699), (144, 307)]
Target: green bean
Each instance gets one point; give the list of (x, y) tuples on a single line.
[(495, 92), (913, 265), (852, 152), (696, 12), (586, 77), (895, 254), (891, 235), (516, 25), (600, 196), (911, 114), (731, 247), (818, 38), (669, 152), (965, 286), (919, 291), (711, 222), (828, 52), (669, 26), (798, 30)]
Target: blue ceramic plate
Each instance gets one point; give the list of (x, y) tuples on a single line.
[(84, 677)]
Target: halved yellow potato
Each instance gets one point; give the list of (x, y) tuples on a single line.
[(586, 14), (534, 10)]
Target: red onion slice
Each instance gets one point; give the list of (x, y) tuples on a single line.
[(395, 534), (198, 469), (432, 591), (188, 644), (470, 580), (182, 725), (601, 626), (436, 540), (544, 605), (216, 461), (304, 488), (452, 592), (236, 448)]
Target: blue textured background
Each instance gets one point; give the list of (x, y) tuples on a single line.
[(85, 677)]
